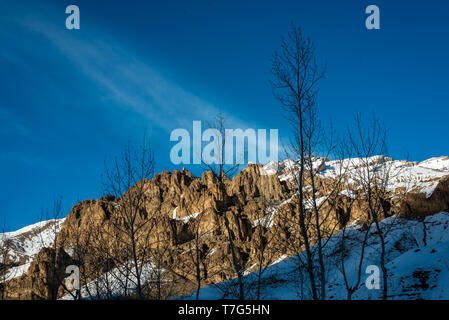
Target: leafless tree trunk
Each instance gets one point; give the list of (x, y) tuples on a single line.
[(344, 217), (55, 279), (350, 289), (199, 253), (221, 171), (267, 246), (160, 255), (109, 269), (296, 74), (128, 179), (368, 142)]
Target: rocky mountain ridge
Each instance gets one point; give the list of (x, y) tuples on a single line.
[(260, 202)]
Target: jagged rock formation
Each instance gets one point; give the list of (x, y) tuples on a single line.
[(260, 204)]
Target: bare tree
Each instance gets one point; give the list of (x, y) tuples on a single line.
[(127, 179), (266, 247), (344, 248), (52, 249), (198, 256), (296, 75), (188, 263), (352, 241), (372, 176), (109, 269), (221, 171), (82, 247), (199, 252), (161, 254)]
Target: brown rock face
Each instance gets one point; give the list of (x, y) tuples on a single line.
[(178, 206), (250, 185)]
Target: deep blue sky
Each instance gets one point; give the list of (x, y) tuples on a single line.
[(69, 98)]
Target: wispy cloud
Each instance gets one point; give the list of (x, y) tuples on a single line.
[(129, 81)]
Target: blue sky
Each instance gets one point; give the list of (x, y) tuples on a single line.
[(68, 98)]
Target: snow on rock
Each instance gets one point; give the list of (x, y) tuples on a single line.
[(268, 218), (26, 242), (412, 176), (440, 163), (121, 281), (270, 168), (16, 272), (187, 218)]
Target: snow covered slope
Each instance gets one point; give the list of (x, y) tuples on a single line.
[(412, 175), (20, 247), (118, 282)]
